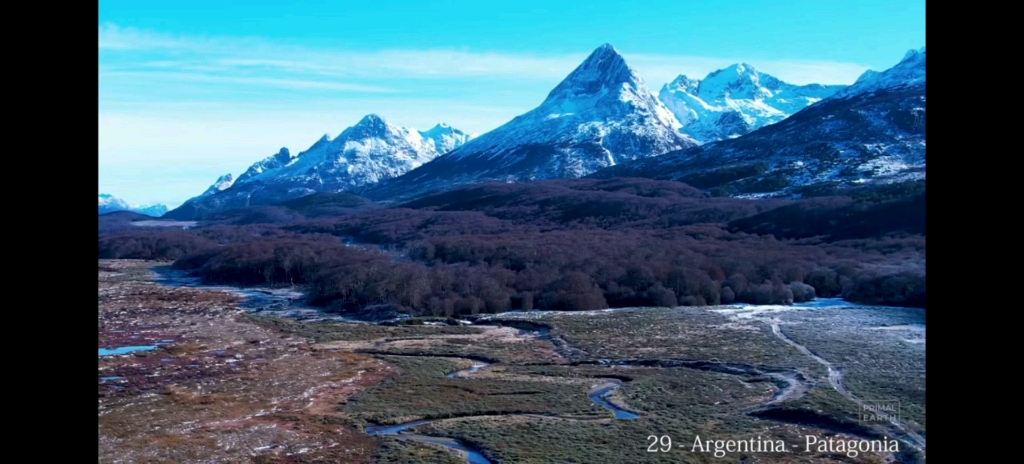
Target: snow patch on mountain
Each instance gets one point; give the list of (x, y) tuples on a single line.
[(363, 154), (736, 100), (601, 114), (278, 160), (222, 183), (870, 132), (109, 203), (909, 72), (444, 138), (602, 102)]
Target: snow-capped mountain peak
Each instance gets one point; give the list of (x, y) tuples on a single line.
[(603, 70), (225, 181), (282, 158), (109, 203), (365, 153), (444, 137), (735, 100), (683, 83), (602, 113), (909, 72), (604, 83), (739, 81), (869, 74), (913, 53), (371, 125), (870, 132), (106, 199)]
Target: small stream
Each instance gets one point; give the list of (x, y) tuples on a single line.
[(599, 395), (284, 302), (125, 350), (288, 302), (471, 370), (472, 455)]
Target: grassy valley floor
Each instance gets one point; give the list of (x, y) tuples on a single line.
[(225, 385)]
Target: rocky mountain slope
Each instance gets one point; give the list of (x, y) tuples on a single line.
[(363, 154), (870, 132), (736, 100), (600, 115), (109, 204)]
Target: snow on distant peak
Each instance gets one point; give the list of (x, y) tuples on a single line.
[(445, 138), (371, 126), (909, 72), (868, 75), (603, 71), (601, 114), (602, 100), (106, 199), (736, 100), (109, 203), (684, 83), (738, 81), (367, 152), (222, 183), (282, 158), (913, 53)]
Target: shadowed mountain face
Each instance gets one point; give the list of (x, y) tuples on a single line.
[(602, 114), (872, 131), (363, 154)]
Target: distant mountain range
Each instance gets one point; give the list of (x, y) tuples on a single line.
[(600, 115), (870, 132), (737, 132), (366, 153), (110, 203), (736, 100)]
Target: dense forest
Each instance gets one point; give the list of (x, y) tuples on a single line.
[(569, 245)]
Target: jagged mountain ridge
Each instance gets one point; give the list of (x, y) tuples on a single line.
[(600, 115), (222, 183), (909, 72), (109, 204), (872, 131), (736, 100), (362, 154)]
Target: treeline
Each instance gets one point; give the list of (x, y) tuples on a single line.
[(861, 215), (551, 271), (159, 245), (533, 246)]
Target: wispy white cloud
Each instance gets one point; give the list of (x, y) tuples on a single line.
[(262, 81), (238, 54), (147, 125), (114, 37), (249, 53)]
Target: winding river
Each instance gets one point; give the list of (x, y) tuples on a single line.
[(792, 384), (598, 394)]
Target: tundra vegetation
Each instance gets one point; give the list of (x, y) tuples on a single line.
[(566, 245)]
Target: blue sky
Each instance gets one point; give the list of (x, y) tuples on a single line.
[(192, 90)]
